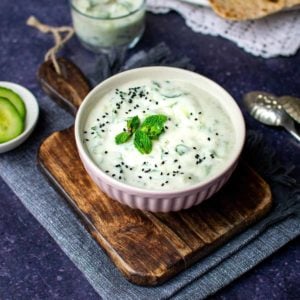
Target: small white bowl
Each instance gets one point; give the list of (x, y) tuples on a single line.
[(32, 114)]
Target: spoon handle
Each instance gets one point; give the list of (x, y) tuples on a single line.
[(290, 127)]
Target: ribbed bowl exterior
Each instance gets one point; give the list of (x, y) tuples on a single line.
[(157, 203)]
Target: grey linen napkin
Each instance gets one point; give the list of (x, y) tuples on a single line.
[(18, 169)]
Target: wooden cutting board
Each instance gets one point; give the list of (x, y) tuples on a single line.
[(148, 248)]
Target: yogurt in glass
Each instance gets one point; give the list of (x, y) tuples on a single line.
[(104, 24)]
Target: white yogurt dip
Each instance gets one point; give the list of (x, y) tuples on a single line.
[(103, 24), (196, 142)]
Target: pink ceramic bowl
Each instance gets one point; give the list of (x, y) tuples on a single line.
[(153, 200)]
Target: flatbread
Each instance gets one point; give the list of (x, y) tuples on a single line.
[(249, 9)]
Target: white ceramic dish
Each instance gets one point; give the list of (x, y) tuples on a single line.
[(167, 200), (32, 114)]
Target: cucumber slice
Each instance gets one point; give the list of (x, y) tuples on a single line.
[(166, 89), (15, 99), (11, 123)]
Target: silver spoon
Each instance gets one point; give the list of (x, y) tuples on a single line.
[(265, 108), (292, 106)]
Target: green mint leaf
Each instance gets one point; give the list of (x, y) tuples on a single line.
[(153, 125), (133, 124), (142, 142), (122, 138)]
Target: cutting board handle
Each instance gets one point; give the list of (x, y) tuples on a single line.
[(69, 88)]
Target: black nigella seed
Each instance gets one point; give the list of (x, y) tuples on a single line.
[(208, 138), (156, 103), (155, 165), (105, 152), (175, 160), (199, 113), (169, 119), (144, 111), (103, 130), (196, 119), (140, 177), (167, 181), (197, 156), (106, 171), (191, 114), (85, 132), (113, 175), (150, 178), (93, 133), (190, 177), (179, 167), (121, 171), (217, 133), (166, 127), (120, 177), (194, 148), (166, 153), (122, 163), (168, 174), (162, 184), (86, 140), (161, 173), (124, 129), (163, 162), (98, 119), (131, 169)]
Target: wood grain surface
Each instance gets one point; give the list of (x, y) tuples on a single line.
[(68, 88), (150, 248)]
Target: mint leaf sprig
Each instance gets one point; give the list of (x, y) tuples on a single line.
[(132, 125), (151, 129), (142, 142)]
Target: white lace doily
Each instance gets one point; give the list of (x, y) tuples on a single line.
[(271, 36)]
